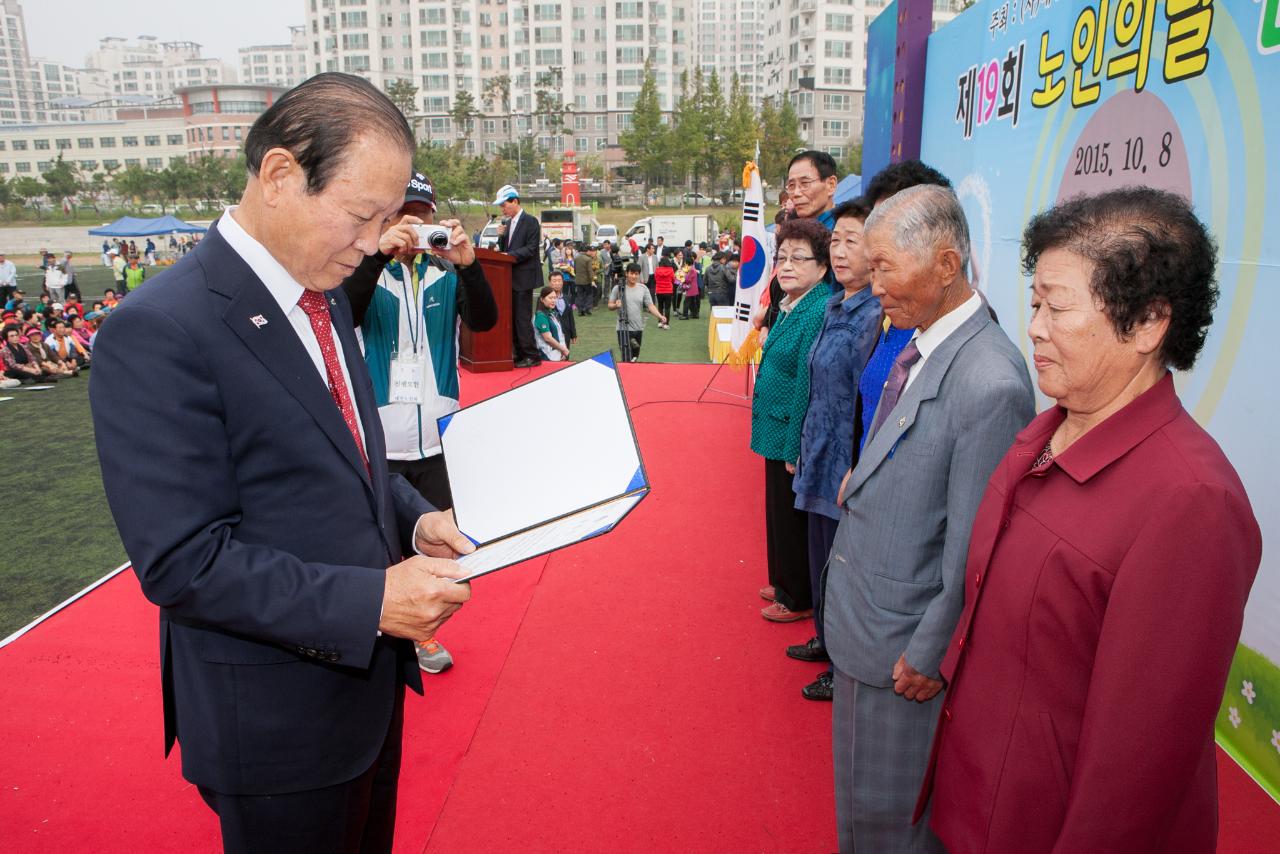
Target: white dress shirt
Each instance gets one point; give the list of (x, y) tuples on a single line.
[(286, 292), (932, 338), (8, 274), (511, 226)]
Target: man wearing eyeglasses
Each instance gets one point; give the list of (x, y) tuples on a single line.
[(811, 184), (811, 188)]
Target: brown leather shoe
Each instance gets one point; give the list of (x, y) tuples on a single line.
[(768, 594), (779, 613)]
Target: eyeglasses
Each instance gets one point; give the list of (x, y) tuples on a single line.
[(783, 260), (802, 184)]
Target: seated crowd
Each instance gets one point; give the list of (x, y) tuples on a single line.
[(48, 340)]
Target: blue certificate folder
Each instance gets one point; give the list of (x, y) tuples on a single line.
[(508, 500)]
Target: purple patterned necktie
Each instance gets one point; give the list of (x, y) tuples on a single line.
[(897, 381)]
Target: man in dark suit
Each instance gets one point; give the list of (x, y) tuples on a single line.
[(248, 479), (522, 240)]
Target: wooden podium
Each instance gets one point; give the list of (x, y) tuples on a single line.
[(486, 352)]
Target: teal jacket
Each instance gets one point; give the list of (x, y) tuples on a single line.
[(381, 329), (782, 383)]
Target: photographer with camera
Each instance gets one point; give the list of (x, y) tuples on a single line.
[(406, 300)]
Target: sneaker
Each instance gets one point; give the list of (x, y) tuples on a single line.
[(768, 594), (822, 688), (811, 650), (779, 613), (432, 657)]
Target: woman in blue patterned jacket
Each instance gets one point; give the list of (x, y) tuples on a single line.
[(837, 358), (778, 408)]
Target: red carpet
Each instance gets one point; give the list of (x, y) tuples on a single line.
[(621, 695)]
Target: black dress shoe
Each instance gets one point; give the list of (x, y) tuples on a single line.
[(528, 363), (821, 688), (811, 650)]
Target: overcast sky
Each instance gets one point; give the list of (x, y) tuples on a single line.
[(67, 30)]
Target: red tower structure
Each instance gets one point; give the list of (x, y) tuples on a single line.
[(569, 192)]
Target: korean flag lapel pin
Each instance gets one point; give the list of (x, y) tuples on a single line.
[(258, 321)]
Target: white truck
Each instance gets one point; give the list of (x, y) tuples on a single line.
[(568, 224), (675, 230)]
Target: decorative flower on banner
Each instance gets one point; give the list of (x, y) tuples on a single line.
[(1275, 740), (1248, 691), (1234, 716)]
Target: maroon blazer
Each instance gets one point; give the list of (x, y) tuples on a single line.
[(1104, 597)]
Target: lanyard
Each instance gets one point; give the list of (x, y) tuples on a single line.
[(416, 321)]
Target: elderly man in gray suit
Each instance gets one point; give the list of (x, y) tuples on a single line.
[(956, 396)]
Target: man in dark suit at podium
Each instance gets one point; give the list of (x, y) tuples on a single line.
[(522, 240), (247, 476)]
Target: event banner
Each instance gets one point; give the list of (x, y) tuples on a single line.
[(1029, 102), (877, 123)]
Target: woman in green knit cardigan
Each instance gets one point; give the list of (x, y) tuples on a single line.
[(778, 408)]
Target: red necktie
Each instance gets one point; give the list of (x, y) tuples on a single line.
[(317, 309)]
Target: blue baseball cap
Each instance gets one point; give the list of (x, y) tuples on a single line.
[(506, 193)]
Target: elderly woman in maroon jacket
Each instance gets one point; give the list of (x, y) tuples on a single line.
[(1109, 564)]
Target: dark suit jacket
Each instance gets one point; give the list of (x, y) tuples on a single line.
[(524, 244), (253, 523), (1105, 594)]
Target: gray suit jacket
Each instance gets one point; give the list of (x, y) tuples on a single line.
[(895, 578)]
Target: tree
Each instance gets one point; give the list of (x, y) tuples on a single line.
[(96, 188), (715, 118), (549, 100), (464, 113), (689, 131), (30, 191), (180, 180), (522, 154), (134, 183), (646, 141), (62, 180), (405, 96), (233, 178), (852, 163), (741, 129), (590, 165), (779, 139), (497, 90)]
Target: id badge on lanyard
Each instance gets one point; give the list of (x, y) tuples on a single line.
[(406, 384)]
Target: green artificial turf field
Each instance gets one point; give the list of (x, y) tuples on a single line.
[(58, 536)]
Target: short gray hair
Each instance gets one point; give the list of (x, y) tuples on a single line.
[(924, 218)]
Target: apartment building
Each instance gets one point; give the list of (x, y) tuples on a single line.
[(29, 86), (277, 64), (588, 56), (730, 40), (148, 67)]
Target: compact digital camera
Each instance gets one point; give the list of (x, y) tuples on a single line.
[(432, 236)]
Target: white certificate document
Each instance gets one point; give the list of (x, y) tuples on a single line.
[(516, 502)]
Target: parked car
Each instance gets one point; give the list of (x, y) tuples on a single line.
[(607, 232), (699, 200), (489, 235)]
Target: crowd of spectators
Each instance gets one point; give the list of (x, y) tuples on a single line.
[(51, 338), (676, 277)]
